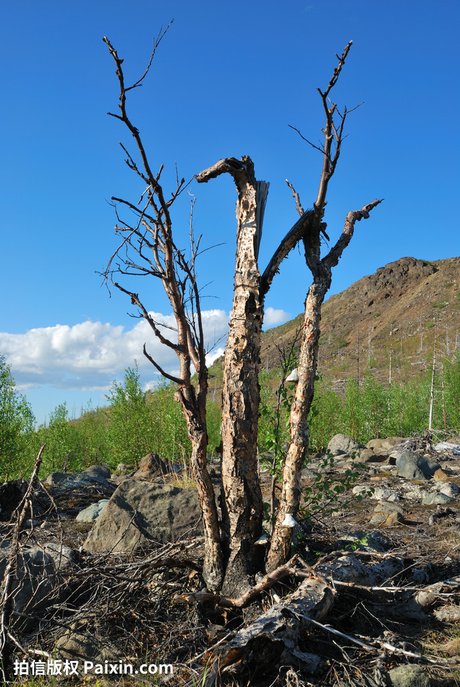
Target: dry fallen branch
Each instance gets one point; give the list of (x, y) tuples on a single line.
[(374, 645), (6, 591), (273, 633), (289, 568)]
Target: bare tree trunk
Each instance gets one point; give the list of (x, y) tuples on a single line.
[(194, 408), (243, 507), (213, 565), (321, 270), (298, 421), (240, 407)]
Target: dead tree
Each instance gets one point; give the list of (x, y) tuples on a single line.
[(151, 241), (148, 248)]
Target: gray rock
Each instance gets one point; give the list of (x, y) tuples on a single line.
[(387, 514), (384, 445), (340, 444), (350, 568), (94, 479), (412, 466), (409, 676), (11, 494), (63, 556), (92, 512), (98, 471), (447, 447), (140, 512), (449, 489), (449, 613), (150, 467), (434, 498), (34, 587)]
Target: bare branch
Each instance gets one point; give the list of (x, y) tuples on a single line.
[(161, 34), (331, 132), (333, 257), (335, 76), (319, 148), (228, 165), (303, 225), (163, 372), (296, 196)]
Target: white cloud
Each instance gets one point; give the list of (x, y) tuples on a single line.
[(275, 316), (89, 355)]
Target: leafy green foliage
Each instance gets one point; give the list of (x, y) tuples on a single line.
[(16, 424), (136, 422), (321, 495), (62, 442), (130, 430)]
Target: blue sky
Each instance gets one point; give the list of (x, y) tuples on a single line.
[(227, 80)]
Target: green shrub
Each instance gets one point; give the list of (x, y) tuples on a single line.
[(16, 426)]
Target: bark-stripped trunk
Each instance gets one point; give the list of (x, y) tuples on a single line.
[(240, 400), (242, 496), (195, 415), (212, 566), (299, 434), (321, 270)]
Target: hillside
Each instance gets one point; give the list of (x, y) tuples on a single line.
[(386, 322)]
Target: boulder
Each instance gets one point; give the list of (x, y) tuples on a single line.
[(409, 675), (63, 556), (413, 466), (92, 512), (387, 514), (140, 512), (447, 447), (342, 444), (151, 467), (435, 498), (34, 587), (91, 478), (450, 613), (384, 445), (98, 471), (11, 495)]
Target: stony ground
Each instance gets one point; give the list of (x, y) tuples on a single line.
[(380, 546)]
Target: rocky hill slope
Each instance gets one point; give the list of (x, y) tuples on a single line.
[(387, 322)]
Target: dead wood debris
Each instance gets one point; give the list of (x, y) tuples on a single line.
[(345, 620)]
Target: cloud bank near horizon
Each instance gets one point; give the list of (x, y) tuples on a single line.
[(90, 355)]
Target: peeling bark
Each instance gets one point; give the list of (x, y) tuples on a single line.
[(299, 434), (321, 270), (276, 633), (243, 506)]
